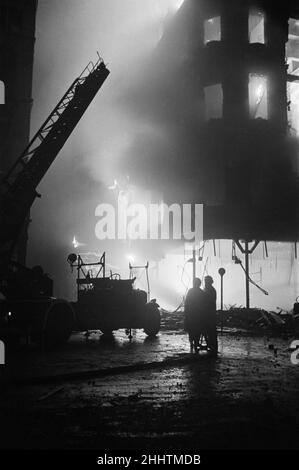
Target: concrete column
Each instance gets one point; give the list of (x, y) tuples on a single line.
[(234, 25)]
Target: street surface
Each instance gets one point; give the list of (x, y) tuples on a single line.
[(105, 393)]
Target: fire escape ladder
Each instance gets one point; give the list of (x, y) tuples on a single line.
[(18, 188)]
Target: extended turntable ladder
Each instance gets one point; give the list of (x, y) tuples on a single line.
[(18, 188)]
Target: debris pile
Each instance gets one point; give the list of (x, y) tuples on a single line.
[(254, 320), (259, 320)]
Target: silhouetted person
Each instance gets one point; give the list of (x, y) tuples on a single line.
[(210, 311), (194, 314)]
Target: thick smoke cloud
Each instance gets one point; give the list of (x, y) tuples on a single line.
[(106, 142), (143, 125)]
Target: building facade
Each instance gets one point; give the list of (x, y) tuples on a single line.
[(17, 39)]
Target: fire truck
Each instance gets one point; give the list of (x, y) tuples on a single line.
[(27, 304)]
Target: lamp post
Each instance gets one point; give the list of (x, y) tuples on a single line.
[(221, 272)]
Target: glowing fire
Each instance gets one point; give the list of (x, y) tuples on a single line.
[(259, 93), (76, 244), (178, 4), (165, 7), (131, 259)]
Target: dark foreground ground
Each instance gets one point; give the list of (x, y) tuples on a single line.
[(152, 395)]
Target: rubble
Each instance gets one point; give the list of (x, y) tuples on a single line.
[(260, 321), (238, 319)]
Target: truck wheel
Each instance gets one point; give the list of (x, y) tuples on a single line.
[(58, 324), (152, 319)]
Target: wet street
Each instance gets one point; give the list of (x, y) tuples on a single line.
[(100, 392)]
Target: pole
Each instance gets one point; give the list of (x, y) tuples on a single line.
[(221, 304), (194, 264), (221, 293), (247, 251), (247, 274), (148, 284), (221, 272)]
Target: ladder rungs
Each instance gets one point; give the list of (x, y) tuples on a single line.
[(21, 173)]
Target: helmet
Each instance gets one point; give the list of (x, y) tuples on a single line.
[(209, 280)]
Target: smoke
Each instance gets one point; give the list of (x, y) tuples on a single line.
[(142, 127), (68, 34)]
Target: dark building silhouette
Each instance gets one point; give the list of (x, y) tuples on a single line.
[(17, 39), (244, 74), (222, 86)]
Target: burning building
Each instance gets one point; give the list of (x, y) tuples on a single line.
[(225, 88), (215, 112), (240, 62), (245, 75)]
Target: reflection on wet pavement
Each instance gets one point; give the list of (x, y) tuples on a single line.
[(100, 352), (245, 397)]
